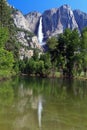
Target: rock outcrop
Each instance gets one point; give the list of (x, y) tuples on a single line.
[(55, 21), (20, 21), (33, 20), (25, 36), (28, 43), (81, 19)]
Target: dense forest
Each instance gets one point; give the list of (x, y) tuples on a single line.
[(8, 42), (66, 54)]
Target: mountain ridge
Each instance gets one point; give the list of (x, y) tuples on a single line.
[(55, 20)]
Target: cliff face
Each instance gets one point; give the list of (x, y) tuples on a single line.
[(26, 26), (54, 21), (81, 19), (27, 40), (20, 21), (33, 20)]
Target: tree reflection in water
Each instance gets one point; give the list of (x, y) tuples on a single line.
[(22, 104)]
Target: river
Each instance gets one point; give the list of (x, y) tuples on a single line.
[(43, 104)]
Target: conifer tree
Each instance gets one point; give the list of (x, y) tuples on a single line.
[(6, 20)]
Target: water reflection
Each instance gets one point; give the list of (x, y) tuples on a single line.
[(27, 96), (40, 108), (37, 104), (6, 95), (65, 105)]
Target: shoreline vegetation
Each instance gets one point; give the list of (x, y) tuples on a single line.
[(6, 76), (56, 75)]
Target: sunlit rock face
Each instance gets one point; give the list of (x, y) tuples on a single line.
[(81, 19), (20, 21), (33, 20), (28, 41), (55, 21), (36, 43), (21, 38), (32, 43), (49, 22), (25, 33)]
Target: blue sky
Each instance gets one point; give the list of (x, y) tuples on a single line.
[(27, 6)]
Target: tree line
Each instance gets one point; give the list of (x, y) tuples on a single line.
[(67, 54)]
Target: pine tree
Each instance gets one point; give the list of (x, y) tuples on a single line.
[(5, 14), (6, 20)]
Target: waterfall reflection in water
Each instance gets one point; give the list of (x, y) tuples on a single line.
[(40, 108), (43, 104)]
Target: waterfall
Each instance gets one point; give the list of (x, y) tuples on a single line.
[(40, 32)]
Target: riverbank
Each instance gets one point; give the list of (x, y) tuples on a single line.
[(81, 77), (5, 75)]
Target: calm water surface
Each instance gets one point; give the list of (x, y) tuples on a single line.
[(43, 104)]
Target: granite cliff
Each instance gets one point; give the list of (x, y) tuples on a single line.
[(25, 33), (54, 21), (81, 19)]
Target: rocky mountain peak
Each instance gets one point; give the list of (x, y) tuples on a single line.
[(50, 11), (34, 13), (66, 10), (65, 6), (54, 21)]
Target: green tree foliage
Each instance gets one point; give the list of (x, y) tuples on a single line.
[(8, 39), (6, 20), (66, 51), (4, 34), (36, 65), (84, 49), (6, 57), (72, 45), (5, 13), (47, 63), (35, 54), (52, 43), (6, 60)]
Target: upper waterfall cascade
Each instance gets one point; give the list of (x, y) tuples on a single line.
[(40, 32)]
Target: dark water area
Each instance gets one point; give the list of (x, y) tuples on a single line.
[(43, 104)]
